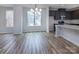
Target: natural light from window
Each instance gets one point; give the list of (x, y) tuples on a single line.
[(9, 18), (34, 18)]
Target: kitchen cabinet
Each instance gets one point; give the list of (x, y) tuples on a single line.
[(57, 14), (75, 14)]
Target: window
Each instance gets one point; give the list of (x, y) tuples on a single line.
[(30, 16), (9, 18), (34, 19)]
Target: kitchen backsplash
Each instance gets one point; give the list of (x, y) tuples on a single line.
[(68, 21)]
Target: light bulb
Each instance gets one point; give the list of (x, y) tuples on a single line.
[(40, 10), (36, 9), (32, 10)]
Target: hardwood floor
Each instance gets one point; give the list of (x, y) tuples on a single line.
[(35, 43)]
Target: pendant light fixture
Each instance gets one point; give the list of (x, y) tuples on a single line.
[(36, 11)]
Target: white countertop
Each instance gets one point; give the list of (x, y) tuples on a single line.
[(69, 26)]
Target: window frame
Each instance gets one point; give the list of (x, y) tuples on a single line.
[(34, 20), (8, 21)]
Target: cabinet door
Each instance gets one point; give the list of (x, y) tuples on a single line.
[(57, 15), (63, 13), (68, 15)]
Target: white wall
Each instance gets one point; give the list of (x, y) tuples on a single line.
[(17, 20), (51, 23), (43, 27), (3, 28), (2, 19), (20, 20), (47, 19)]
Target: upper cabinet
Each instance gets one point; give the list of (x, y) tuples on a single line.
[(67, 15), (75, 14), (52, 12), (58, 14)]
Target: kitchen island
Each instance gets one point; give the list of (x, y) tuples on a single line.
[(68, 32)]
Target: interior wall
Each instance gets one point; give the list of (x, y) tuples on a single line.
[(17, 20), (20, 20), (47, 20), (3, 28), (2, 19), (51, 23)]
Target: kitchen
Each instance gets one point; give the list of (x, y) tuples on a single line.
[(66, 23)]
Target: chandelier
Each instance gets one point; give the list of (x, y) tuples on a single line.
[(36, 10)]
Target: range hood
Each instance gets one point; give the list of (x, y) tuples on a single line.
[(61, 9)]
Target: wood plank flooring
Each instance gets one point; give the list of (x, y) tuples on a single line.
[(35, 43)]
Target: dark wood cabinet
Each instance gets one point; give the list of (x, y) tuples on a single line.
[(68, 15), (57, 14), (51, 12), (75, 14)]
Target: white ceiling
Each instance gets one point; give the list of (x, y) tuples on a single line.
[(53, 6), (67, 6)]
